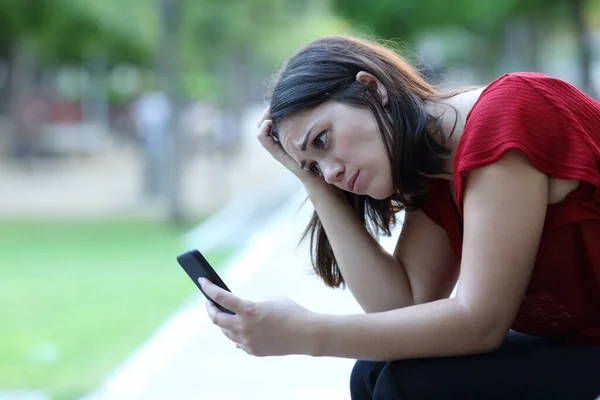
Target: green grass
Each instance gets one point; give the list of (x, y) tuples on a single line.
[(77, 297)]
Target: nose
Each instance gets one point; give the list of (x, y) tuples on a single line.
[(332, 172)]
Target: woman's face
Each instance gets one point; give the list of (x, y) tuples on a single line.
[(343, 144)]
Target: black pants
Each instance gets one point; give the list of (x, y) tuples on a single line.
[(524, 367)]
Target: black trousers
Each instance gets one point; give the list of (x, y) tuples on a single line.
[(524, 367)]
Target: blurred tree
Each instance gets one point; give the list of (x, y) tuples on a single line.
[(491, 21), (578, 11), (68, 30), (43, 32), (170, 12), (211, 36), (226, 48), (544, 15), (407, 20), (240, 38)]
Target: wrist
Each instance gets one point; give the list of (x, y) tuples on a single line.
[(312, 184), (316, 331), (316, 188)]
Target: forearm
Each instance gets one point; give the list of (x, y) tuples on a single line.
[(376, 279), (436, 329)]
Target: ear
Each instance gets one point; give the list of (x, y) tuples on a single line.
[(368, 79)]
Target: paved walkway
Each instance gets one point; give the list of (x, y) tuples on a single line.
[(108, 184), (189, 358)]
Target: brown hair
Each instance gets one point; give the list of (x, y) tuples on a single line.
[(325, 70)]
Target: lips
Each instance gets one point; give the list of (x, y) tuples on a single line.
[(352, 181)]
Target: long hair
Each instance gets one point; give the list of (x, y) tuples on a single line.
[(325, 70)]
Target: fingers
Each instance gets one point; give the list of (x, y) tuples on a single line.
[(221, 319), (223, 297), (265, 115), (265, 136), (265, 129), (266, 139), (231, 335), (275, 148), (244, 348), (228, 325)]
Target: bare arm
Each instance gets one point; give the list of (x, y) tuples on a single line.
[(505, 206), (421, 269), (424, 250)]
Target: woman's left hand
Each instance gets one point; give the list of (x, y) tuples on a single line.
[(268, 328)]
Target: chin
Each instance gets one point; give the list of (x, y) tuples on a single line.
[(376, 197), (381, 194)]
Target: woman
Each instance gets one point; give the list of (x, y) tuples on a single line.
[(501, 187)]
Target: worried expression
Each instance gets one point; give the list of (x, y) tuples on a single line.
[(342, 144)]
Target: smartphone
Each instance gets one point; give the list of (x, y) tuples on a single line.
[(196, 267)]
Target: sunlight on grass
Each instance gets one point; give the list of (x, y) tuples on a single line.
[(78, 297)]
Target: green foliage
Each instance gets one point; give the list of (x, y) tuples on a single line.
[(124, 32), (68, 30), (405, 19), (212, 34), (209, 34)]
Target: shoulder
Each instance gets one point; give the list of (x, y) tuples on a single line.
[(511, 92), (520, 108), (520, 80), (518, 111)]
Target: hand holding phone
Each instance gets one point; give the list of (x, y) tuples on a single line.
[(196, 266)]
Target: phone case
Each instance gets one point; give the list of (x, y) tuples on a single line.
[(196, 266)]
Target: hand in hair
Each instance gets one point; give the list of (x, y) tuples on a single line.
[(273, 146)]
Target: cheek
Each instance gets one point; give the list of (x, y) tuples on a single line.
[(383, 173)]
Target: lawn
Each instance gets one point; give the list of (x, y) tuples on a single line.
[(77, 297)]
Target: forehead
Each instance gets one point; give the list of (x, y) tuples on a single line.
[(293, 127)]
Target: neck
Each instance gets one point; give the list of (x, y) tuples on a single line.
[(452, 114)]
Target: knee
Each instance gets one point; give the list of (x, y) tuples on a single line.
[(364, 378), (412, 379)]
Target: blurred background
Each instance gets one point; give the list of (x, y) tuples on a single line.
[(126, 125)]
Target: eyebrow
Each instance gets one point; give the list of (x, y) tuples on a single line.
[(304, 143)]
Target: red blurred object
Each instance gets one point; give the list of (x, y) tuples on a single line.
[(65, 111)]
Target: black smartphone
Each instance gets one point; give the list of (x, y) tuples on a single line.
[(196, 267)]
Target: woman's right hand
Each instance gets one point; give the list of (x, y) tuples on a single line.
[(273, 146)]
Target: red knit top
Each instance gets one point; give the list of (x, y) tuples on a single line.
[(558, 128)]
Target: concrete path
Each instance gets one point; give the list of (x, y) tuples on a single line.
[(109, 184), (189, 358)]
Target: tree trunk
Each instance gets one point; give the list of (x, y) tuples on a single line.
[(577, 8), (5, 79), (95, 105), (21, 74), (169, 11), (490, 58), (536, 28)]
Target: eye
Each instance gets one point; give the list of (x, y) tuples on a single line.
[(321, 139), (314, 169)]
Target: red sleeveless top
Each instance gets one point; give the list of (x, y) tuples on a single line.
[(558, 128)]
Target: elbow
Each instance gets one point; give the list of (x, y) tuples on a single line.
[(491, 342), (486, 332), (487, 327), (488, 337)]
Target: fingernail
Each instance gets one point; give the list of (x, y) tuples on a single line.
[(202, 281)]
